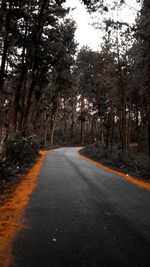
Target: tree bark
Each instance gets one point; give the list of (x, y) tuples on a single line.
[(72, 127), (4, 55), (148, 121), (2, 13), (53, 124), (102, 132), (82, 122), (5, 46), (3, 143), (108, 128), (34, 50)]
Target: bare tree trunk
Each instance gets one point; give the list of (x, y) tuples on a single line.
[(22, 104), (82, 122), (4, 136), (45, 133), (6, 45), (54, 122), (108, 128), (102, 133), (128, 140), (2, 13), (34, 50), (27, 108), (112, 131), (82, 132), (148, 121), (65, 127), (92, 129), (72, 127), (4, 55), (123, 102)]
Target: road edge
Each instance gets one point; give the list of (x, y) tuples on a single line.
[(129, 178), (11, 212)]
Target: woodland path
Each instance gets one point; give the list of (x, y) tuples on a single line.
[(81, 215)]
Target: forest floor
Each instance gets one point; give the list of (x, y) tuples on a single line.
[(130, 161), (11, 173)]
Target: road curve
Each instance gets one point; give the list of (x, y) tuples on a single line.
[(81, 215)]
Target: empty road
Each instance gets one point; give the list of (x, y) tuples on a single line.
[(81, 215)]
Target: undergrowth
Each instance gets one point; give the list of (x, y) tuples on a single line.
[(129, 161)]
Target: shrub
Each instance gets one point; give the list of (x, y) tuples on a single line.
[(21, 150)]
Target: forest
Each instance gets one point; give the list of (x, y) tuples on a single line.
[(52, 94)]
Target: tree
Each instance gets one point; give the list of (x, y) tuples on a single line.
[(145, 37), (32, 21)]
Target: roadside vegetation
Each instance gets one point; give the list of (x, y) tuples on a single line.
[(22, 154), (129, 161)]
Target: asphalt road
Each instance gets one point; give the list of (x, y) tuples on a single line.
[(81, 215)]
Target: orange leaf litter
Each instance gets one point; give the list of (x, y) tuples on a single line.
[(11, 212), (134, 180)]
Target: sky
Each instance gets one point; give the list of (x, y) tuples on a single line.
[(86, 34)]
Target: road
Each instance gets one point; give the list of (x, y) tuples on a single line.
[(81, 215)]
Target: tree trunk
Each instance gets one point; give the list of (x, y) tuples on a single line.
[(22, 104), (148, 121), (45, 132), (137, 117), (108, 128), (72, 127), (2, 13), (3, 143), (123, 102), (128, 141), (112, 131), (5, 46), (82, 132), (65, 127), (27, 108), (82, 122), (21, 86), (4, 55), (41, 22), (102, 132), (5, 133), (92, 129), (54, 122)]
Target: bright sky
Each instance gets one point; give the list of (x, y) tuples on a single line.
[(85, 33)]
